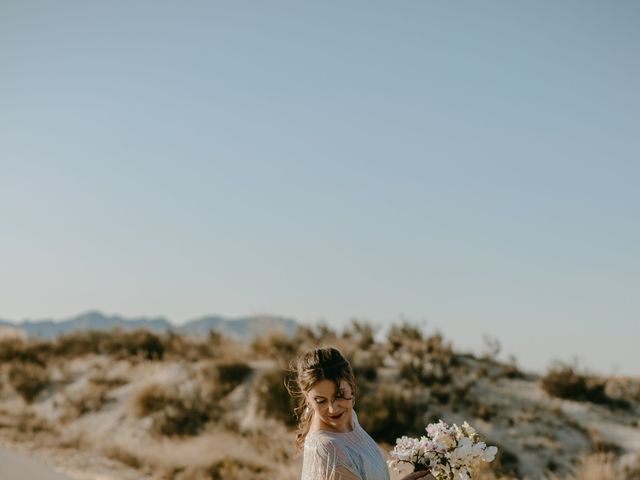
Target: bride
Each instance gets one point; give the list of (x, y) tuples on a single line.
[(335, 445)]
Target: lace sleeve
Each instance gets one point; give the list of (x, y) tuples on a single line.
[(325, 460), (344, 473)]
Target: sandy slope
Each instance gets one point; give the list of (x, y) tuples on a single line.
[(17, 466)]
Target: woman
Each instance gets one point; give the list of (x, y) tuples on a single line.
[(335, 445)]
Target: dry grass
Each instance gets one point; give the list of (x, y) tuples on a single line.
[(593, 467)]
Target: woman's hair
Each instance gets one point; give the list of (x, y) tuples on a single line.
[(308, 369)]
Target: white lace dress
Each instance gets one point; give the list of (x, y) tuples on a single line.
[(343, 456)]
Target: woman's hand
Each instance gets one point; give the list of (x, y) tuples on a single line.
[(422, 474)]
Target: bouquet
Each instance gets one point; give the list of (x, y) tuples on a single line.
[(447, 452)]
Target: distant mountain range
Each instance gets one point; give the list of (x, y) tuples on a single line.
[(243, 328)]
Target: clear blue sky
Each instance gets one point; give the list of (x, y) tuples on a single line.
[(472, 164)]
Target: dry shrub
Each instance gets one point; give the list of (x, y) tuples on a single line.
[(94, 397), (212, 346), (103, 379), (82, 343), (275, 345), (185, 410), (631, 470), (150, 400), (283, 349), (73, 440), (234, 469), (117, 343), (365, 365), (563, 381), (28, 379), (511, 370), (487, 472), (228, 375), (123, 456), (387, 412), (506, 463), (224, 469), (623, 388), (122, 344), (271, 441), (600, 445), (421, 360), (483, 411), (90, 400), (29, 424), (22, 351), (140, 343), (361, 334), (593, 467), (175, 413), (274, 400)]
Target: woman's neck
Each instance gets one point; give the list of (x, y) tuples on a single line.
[(319, 426)]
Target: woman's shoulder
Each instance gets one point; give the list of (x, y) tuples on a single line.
[(326, 443), (320, 437), (325, 448)]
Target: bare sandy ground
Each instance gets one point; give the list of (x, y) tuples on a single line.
[(17, 466)]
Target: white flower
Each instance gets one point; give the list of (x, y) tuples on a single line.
[(463, 450), (448, 452), (434, 429), (468, 429), (489, 454), (463, 475)]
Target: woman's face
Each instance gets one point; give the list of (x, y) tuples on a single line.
[(331, 407)]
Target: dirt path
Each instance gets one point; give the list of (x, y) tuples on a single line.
[(18, 466)]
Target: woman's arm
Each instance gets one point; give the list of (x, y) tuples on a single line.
[(343, 473)]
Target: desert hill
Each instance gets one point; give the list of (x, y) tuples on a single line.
[(142, 404)]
